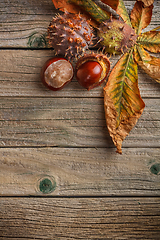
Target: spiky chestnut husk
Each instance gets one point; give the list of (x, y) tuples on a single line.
[(69, 34), (116, 36), (91, 70)]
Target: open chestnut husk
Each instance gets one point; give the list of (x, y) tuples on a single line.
[(56, 73), (91, 70)]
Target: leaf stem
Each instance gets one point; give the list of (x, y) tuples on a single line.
[(124, 75), (107, 8)]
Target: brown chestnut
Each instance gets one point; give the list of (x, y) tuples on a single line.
[(56, 73), (91, 70)]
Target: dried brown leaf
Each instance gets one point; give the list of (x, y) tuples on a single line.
[(65, 5), (140, 16), (122, 101), (120, 133), (74, 6), (112, 3), (150, 64), (147, 3)]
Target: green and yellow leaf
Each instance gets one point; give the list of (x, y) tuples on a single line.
[(141, 16), (122, 11), (150, 64), (122, 101), (92, 9), (150, 41)]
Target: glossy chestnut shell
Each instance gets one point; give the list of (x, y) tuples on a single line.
[(91, 70), (56, 73)]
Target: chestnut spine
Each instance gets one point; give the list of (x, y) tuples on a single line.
[(69, 34), (115, 36)]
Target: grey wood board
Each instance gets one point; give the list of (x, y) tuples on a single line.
[(80, 172)]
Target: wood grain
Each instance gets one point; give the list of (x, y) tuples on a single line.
[(83, 218), (80, 171), (60, 177), (19, 20), (20, 76), (70, 122)]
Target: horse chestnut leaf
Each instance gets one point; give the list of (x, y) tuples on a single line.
[(91, 70), (56, 73)]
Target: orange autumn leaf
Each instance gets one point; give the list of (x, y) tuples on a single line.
[(140, 16), (88, 9), (150, 64), (122, 101), (112, 3), (65, 5), (147, 3)]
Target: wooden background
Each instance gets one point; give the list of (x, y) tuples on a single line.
[(60, 177)]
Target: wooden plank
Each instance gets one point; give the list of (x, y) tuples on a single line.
[(20, 76), (91, 218), (20, 20), (79, 172), (70, 122)]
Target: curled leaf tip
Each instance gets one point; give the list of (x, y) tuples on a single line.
[(147, 3)]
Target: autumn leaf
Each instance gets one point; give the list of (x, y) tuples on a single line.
[(140, 16), (112, 3), (150, 64), (70, 7), (75, 6), (65, 5), (91, 10), (122, 101), (150, 41), (155, 29), (122, 11), (147, 2)]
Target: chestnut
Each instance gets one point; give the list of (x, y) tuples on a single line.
[(91, 70), (56, 73)]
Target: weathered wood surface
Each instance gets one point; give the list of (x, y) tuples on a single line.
[(19, 20), (55, 147), (80, 218), (69, 122), (20, 76), (80, 171)]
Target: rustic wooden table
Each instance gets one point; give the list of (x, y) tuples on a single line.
[(60, 177)]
